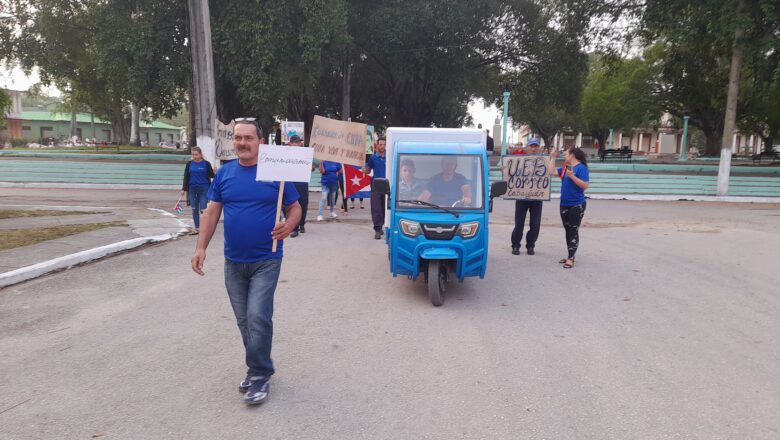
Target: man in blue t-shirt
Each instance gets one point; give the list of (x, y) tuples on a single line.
[(377, 164), (251, 266), (448, 187)]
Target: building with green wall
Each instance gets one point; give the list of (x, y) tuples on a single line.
[(39, 126)]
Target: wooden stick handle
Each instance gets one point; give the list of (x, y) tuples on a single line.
[(278, 212)]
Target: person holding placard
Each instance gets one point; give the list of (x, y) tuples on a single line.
[(303, 193), (575, 179), (330, 172), (377, 164), (251, 265), (523, 207)]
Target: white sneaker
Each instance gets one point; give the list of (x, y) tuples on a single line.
[(333, 215), (319, 218)]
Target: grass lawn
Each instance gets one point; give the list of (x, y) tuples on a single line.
[(20, 213), (14, 238)]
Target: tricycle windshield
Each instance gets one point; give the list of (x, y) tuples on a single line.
[(453, 181)]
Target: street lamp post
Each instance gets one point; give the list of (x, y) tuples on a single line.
[(506, 119), (684, 139)]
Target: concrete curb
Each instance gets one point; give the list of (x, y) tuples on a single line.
[(66, 262), (682, 197)]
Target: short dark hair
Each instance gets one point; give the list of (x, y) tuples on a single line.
[(579, 155), (381, 138), (409, 163), (257, 127)]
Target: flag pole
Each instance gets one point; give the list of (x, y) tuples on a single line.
[(278, 212)]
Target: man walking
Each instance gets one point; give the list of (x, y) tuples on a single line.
[(251, 267), (376, 163), (521, 208)]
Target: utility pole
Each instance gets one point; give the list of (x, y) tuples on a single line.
[(203, 77)]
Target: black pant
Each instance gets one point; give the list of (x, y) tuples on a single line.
[(572, 217), (521, 208), (377, 210), (303, 192)]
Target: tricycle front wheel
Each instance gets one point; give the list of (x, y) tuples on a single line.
[(437, 278)]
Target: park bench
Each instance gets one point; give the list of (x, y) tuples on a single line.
[(773, 157), (622, 155)]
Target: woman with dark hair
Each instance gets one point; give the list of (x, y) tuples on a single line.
[(197, 179), (574, 181)]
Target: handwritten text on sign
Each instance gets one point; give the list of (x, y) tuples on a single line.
[(223, 141), (339, 141), (527, 177), (281, 163)]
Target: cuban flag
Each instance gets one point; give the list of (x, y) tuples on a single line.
[(178, 207), (356, 184)]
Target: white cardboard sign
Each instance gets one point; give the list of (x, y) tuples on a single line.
[(282, 163)]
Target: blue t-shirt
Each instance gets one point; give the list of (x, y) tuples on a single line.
[(330, 177), (446, 193), (250, 212), (198, 174), (571, 194), (378, 164)]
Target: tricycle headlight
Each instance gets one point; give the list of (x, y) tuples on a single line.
[(468, 230), (411, 229)]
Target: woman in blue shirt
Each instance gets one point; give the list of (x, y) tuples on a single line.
[(197, 179), (574, 181), (331, 172)]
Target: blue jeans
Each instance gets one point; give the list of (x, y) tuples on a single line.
[(329, 194), (251, 288), (198, 201)]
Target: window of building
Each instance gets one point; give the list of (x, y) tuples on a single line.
[(107, 135), (158, 137), (26, 131), (170, 138), (47, 132)]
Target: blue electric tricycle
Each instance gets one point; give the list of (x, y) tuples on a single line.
[(437, 221)]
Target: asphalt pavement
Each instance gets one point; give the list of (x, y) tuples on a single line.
[(666, 328)]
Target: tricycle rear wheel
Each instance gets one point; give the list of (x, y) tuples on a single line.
[(437, 278)]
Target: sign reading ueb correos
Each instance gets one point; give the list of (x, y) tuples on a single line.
[(282, 163), (527, 177)]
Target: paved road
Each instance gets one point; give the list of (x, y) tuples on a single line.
[(667, 328)]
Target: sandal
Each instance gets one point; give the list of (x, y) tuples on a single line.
[(568, 264)]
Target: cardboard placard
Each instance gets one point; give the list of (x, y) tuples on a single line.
[(293, 128), (339, 141), (280, 163), (223, 141), (527, 177)]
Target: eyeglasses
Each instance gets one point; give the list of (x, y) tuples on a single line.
[(245, 119)]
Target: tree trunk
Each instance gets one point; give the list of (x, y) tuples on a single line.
[(120, 126), (73, 121), (712, 142), (135, 125), (191, 116), (346, 89), (731, 109)]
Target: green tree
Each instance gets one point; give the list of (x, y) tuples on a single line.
[(5, 105), (693, 44), (617, 95), (547, 87), (107, 54)]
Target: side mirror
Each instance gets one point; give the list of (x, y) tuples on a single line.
[(381, 186), (497, 189)]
